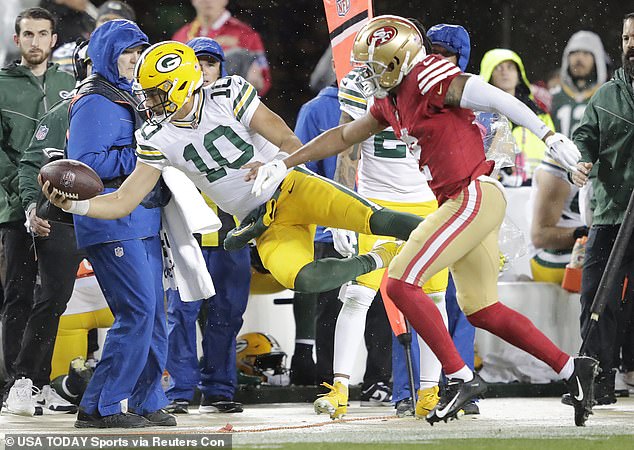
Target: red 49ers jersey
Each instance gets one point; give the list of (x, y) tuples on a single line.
[(449, 143)]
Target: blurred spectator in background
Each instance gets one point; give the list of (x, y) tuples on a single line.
[(323, 75), (243, 46), (27, 91), (75, 19), (504, 69), (63, 57), (112, 10), (583, 71), (11, 9)]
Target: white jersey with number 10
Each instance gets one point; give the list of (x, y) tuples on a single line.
[(213, 144)]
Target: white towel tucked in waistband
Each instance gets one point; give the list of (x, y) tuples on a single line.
[(186, 213)]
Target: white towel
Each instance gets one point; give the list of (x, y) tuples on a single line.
[(186, 213)]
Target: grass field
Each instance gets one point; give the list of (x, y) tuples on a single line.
[(589, 442), (504, 423)]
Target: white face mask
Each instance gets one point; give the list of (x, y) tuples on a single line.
[(280, 379), (370, 84)]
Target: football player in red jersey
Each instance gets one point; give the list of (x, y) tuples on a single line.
[(429, 102)]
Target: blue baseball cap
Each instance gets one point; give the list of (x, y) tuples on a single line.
[(204, 46), (453, 38)]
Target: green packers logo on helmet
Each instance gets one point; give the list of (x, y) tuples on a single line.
[(168, 62)]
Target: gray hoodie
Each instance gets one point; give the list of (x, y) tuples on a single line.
[(586, 41)]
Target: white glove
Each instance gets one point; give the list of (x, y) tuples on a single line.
[(269, 175), (563, 150), (344, 241)]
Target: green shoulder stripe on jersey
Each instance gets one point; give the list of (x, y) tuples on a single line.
[(149, 153), (352, 103), (243, 100), (352, 98), (550, 264)]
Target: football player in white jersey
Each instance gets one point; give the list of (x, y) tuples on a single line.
[(215, 135), (556, 222), (405, 189)]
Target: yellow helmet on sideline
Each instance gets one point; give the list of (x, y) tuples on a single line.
[(259, 354)]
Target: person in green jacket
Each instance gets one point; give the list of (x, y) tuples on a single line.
[(605, 138), (504, 69), (28, 89)]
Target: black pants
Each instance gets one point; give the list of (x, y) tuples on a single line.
[(378, 334), (603, 343), (21, 271), (57, 262)]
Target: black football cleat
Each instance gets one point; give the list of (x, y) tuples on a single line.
[(160, 418), (455, 396), (218, 404), (581, 387)]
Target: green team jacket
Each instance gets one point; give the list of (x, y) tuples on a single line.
[(605, 137), (49, 133), (23, 101)]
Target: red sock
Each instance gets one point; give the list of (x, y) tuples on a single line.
[(516, 329), (423, 315)]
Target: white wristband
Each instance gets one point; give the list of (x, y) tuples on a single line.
[(79, 207)]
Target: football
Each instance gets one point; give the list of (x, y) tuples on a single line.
[(73, 178)]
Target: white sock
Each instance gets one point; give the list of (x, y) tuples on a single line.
[(350, 327), (430, 367), (310, 342), (569, 367), (463, 374), (427, 384), (343, 380)]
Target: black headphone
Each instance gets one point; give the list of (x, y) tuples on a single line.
[(80, 60)]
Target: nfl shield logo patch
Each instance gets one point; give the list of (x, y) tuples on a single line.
[(68, 179), (118, 252), (41, 132), (343, 6)]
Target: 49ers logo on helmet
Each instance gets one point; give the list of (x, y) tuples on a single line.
[(382, 36)]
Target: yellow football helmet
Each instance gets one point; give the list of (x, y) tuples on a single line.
[(259, 354), (388, 47), (166, 76)]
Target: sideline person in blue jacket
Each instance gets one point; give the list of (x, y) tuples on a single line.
[(125, 253)]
